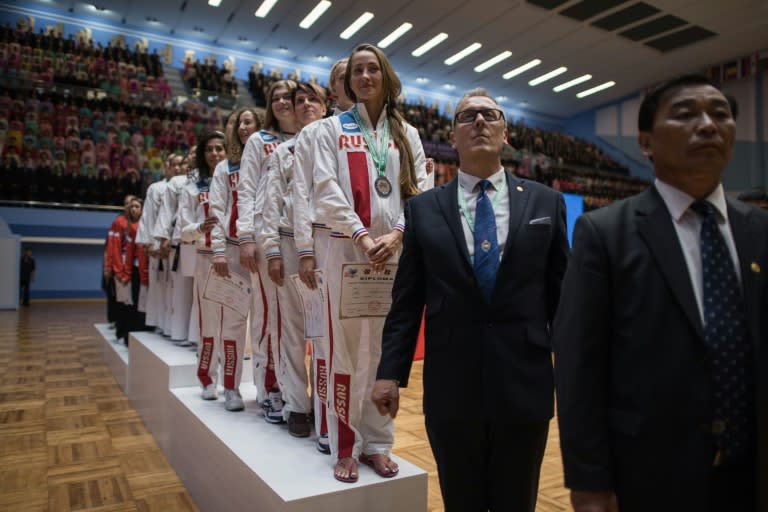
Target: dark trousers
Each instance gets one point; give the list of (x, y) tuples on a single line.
[(488, 465), (24, 292), (129, 318), (108, 285), (733, 489)]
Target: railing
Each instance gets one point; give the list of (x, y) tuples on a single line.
[(61, 206)]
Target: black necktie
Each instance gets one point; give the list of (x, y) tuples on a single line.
[(725, 331)]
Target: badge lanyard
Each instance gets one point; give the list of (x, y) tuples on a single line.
[(378, 154)]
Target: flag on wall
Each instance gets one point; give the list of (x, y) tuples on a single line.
[(731, 70)]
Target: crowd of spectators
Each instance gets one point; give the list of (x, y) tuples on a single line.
[(209, 77), (71, 149), (43, 58), (90, 151)]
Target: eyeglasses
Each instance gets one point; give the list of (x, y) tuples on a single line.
[(468, 116)]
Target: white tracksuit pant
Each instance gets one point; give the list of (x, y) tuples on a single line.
[(264, 377), (155, 294), (209, 317), (320, 345), (288, 330), (179, 293), (233, 329), (354, 424)]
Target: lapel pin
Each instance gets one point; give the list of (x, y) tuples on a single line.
[(755, 268), (519, 188)]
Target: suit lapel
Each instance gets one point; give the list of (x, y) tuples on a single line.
[(448, 199), (655, 226), (746, 239), (518, 200)]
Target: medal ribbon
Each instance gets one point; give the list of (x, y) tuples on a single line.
[(379, 154)]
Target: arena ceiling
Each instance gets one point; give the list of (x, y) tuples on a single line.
[(631, 42)]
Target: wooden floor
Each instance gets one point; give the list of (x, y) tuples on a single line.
[(70, 440)]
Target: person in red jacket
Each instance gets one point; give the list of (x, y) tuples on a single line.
[(135, 271), (113, 256)]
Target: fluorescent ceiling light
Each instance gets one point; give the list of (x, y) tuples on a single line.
[(356, 25), (453, 59), (521, 69), (492, 62), (314, 14), (421, 50), (395, 35), (547, 76), (264, 8), (214, 3), (575, 81), (596, 89)]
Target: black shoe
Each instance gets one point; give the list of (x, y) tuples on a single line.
[(299, 425)]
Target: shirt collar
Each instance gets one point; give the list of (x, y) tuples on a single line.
[(678, 202), (469, 182)]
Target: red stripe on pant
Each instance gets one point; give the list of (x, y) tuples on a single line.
[(341, 401), (230, 364), (360, 185), (203, 367), (270, 379), (233, 216)]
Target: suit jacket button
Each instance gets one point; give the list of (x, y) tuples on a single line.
[(490, 324)]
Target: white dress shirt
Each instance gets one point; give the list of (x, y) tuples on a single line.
[(688, 227), (470, 190)]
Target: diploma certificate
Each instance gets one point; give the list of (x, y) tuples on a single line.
[(364, 292), (233, 292), (313, 303)]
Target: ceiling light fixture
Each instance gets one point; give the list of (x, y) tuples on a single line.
[(547, 76), (575, 81), (422, 79), (521, 69), (356, 25), (453, 59), (395, 35), (596, 89), (214, 3), (264, 8), (492, 62), (315, 13), (421, 50)]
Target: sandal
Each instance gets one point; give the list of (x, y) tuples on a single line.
[(381, 464), (346, 466)]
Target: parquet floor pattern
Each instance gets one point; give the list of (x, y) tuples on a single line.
[(71, 441)]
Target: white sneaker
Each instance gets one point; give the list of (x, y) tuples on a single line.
[(233, 401), (323, 446), (274, 410), (209, 392)]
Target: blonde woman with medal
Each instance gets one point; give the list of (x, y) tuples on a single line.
[(226, 252), (280, 125), (196, 221), (368, 162)]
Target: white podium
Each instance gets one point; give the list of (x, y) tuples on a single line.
[(236, 460)]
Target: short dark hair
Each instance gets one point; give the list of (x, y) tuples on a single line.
[(653, 99), (756, 194)]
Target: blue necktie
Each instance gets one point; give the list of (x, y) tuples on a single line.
[(486, 259), (725, 332)]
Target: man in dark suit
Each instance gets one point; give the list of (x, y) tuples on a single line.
[(660, 336), (485, 254)]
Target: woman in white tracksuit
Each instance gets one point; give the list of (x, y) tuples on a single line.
[(368, 162), (226, 250), (282, 261), (280, 125), (197, 221), (311, 237)]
